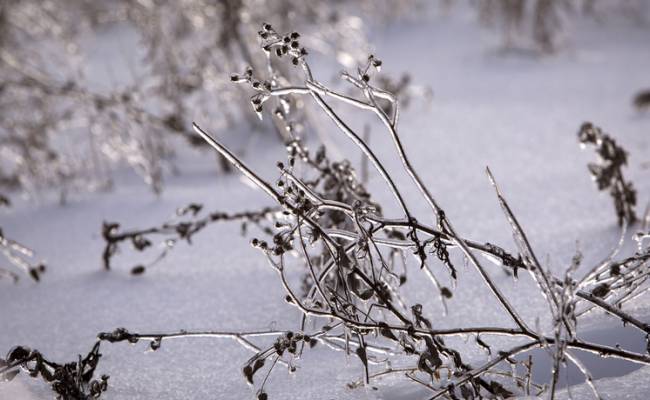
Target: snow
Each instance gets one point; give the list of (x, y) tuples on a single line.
[(517, 114)]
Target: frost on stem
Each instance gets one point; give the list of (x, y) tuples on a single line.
[(356, 260), (21, 257), (172, 232), (608, 171)]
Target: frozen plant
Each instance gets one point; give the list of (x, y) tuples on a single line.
[(608, 171), (357, 262), (70, 381)]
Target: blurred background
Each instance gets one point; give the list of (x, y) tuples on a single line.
[(92, 87)]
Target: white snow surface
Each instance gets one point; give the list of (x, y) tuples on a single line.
[(517, 114)]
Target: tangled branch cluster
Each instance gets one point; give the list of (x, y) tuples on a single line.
[(355, 261), (70, 381)]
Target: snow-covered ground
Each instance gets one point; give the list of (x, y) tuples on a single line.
[(517, 114)]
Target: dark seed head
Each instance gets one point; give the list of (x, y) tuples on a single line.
[(138, 270)]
